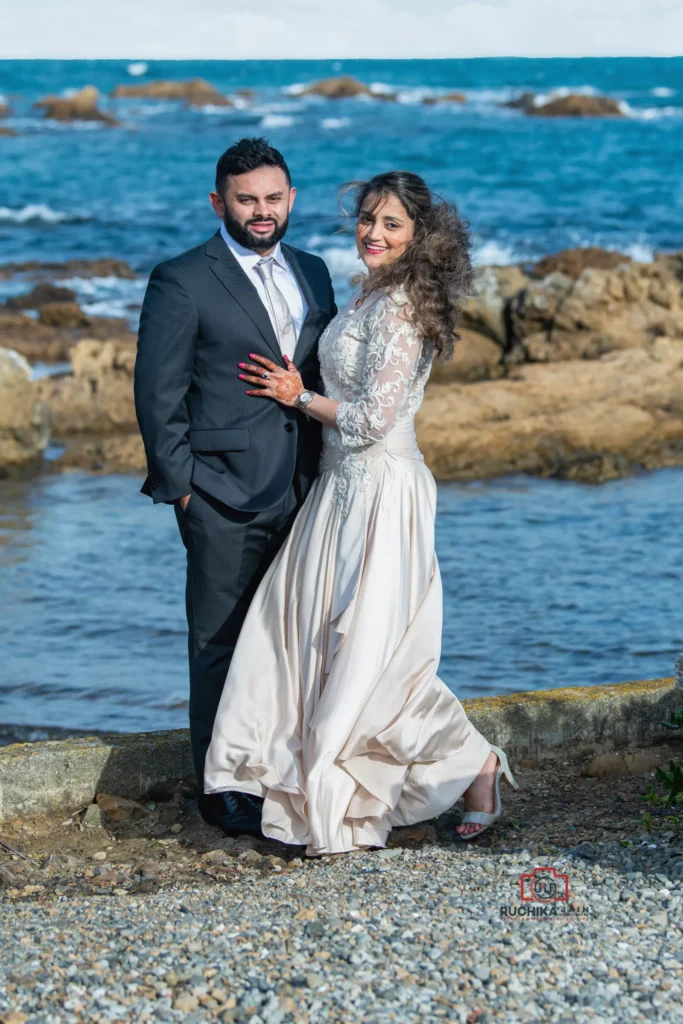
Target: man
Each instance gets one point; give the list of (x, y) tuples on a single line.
[(237, 469)]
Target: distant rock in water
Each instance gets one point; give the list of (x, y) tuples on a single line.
[(576, 105), (24, 418), (8, 132), (450, 97), (72, 268), (195, 93), (66, 315), (571, 105), (4, 108), (573, 262), (82, 106), (344, 87), (40, 295)]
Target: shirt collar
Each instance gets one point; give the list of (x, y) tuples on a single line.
[(248, 256)]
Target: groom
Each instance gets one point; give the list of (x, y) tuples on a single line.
[(236, 468)]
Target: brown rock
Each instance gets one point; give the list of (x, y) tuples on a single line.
[(82, 106), (124, 454), (4, 110), (340, 88), (7, 132), (449, 97), (119, 808), (63, 314), (523, 102), (602, 311), (606, 764), (573, 262), (24, 418), (98, 396), (485, 311), (72, 268), (14, 1017), (185, 1002), (195, 93), (586, 420), (576, 105), (41, 294), (475, 357), (641, 763)]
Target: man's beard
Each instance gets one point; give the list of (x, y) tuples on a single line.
[(259, 243)]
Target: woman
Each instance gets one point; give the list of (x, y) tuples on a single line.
[(332, 710)]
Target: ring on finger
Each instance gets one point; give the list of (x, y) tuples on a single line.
[(265, 376)]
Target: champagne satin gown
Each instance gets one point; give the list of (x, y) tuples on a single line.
[(332, 710)]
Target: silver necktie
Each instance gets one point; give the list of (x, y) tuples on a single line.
[(280, 312)]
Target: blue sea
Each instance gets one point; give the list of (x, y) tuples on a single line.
[(546, 583)]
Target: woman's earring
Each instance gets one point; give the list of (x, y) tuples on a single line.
[(357, 255)]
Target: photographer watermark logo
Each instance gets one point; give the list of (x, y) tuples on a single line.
[(544, 894)]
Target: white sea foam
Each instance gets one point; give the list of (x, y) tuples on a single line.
[(382, 89), (492, 253), (211, 108), (296, 89), (653, 113), (335, 122), (640, 252), (277, 121), (342, 260), (137, 68), (107, 296), (662, 92), (40, 213)]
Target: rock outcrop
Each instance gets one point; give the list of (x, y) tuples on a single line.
[(37, 269), (589, 420), (573, 262), (576, 105), (24, 419), (40, 295), (195, 93), (82, 106), (571, 105), (4, 108), (97, 397), (38, 341), (449, 97), (344, 87), (7, 132)]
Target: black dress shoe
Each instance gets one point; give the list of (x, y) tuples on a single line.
[(237, 814)]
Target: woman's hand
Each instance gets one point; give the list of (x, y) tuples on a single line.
[(284, 386)]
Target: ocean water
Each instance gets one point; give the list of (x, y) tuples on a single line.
[(528, 186), (546, 584)]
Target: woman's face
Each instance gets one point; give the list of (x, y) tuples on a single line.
[(383, 231)]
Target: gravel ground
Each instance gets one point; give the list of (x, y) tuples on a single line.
[(160, 918)]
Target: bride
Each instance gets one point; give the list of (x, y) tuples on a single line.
[(332, 711)]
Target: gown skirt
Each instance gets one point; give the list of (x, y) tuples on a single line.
[(332, 710)]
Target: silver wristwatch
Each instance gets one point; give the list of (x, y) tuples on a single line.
[(305, 399)]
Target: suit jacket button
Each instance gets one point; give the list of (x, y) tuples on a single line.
[(289, 427)]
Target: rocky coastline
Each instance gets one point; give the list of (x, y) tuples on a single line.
[(570, 368)]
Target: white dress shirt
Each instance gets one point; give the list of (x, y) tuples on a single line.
[(283, 274)]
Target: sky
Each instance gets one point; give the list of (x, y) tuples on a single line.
[(276, 29)]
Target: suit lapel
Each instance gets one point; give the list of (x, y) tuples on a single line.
[(309, 328), (232, 277)]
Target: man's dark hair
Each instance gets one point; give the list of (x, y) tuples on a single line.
[(247, 155)]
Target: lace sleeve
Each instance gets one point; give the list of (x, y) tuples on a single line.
[(393, 351)]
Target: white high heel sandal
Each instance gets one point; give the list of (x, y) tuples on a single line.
[(484, 818)]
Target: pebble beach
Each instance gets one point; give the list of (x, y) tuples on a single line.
[(161, 918)]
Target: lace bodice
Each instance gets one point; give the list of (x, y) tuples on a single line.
[(375, 364)]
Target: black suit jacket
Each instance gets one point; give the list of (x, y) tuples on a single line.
[(201, 316)]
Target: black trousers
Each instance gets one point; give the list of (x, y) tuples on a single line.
[(228, 553)]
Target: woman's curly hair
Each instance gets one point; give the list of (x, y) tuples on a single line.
[(435, 270)]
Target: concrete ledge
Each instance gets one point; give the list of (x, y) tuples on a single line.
[(60, 776)]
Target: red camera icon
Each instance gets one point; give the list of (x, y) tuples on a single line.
[(544, 885)]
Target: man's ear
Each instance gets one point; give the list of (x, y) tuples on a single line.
[(218, 204), (292, 197)]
